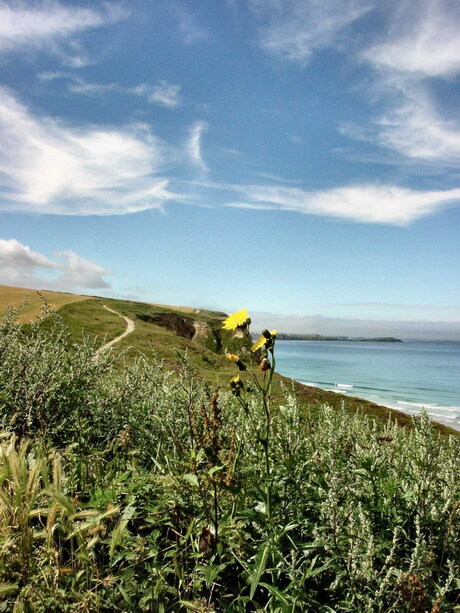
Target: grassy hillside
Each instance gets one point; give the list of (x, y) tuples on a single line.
[(167, 333), (32, 300)]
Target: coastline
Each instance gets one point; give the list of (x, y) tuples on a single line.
[(343, 393), (398, 377)]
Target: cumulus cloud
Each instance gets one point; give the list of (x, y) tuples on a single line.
[(49, 167), (78, 272), (293, 29), (15, 254), (19, 265), (45, 25), (194, 144), (386, 204)]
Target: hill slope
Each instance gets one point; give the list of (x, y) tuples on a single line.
[(167, 333), (32, 301)]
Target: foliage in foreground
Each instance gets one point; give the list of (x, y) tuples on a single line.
[(134, 490)]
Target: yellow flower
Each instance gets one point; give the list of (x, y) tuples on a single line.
[(235, 320), (236, 380), (236, 359), (260, 342), (266, 338)]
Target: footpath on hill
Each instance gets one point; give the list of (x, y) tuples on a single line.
[(130, 327)]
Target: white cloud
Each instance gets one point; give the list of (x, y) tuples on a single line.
[(416, 129), (421, 46), (49, 167), (363, 203), (163, 93), (47, 23), (19, 265), (295, 28), (15, 254), (423, 38), (78, 272), (194, 144)]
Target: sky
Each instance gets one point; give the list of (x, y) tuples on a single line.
[(298, 158)]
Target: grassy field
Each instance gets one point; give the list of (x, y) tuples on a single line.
[(32, 301)]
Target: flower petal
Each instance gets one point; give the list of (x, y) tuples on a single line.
[(260, 342), (235, 319)]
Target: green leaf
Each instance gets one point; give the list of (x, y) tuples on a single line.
[(215, 469), (191, 478), (262, 561), (279, 596)]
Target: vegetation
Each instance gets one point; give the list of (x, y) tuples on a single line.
[(31, 302), (127, 487)]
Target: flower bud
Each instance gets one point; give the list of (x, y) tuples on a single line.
[(264, 365)]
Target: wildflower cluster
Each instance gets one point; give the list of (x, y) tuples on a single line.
[(263, 350)]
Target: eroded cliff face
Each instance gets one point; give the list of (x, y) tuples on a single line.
[(182, 326), (207, 334)]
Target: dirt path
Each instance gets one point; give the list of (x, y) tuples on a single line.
[(130, 327)]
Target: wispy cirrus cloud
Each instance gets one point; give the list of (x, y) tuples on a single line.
[(162, 93), (193, 145), (420, 47), (293, 29), (387, 204), (416, 129), (422, 39), (49, 167), (50, 26), (20, 265)]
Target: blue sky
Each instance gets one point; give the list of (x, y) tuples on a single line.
[(296, 157)]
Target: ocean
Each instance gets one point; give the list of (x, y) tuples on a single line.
[(405, 376)]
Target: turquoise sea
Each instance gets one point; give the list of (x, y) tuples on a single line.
[(406, 376)]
